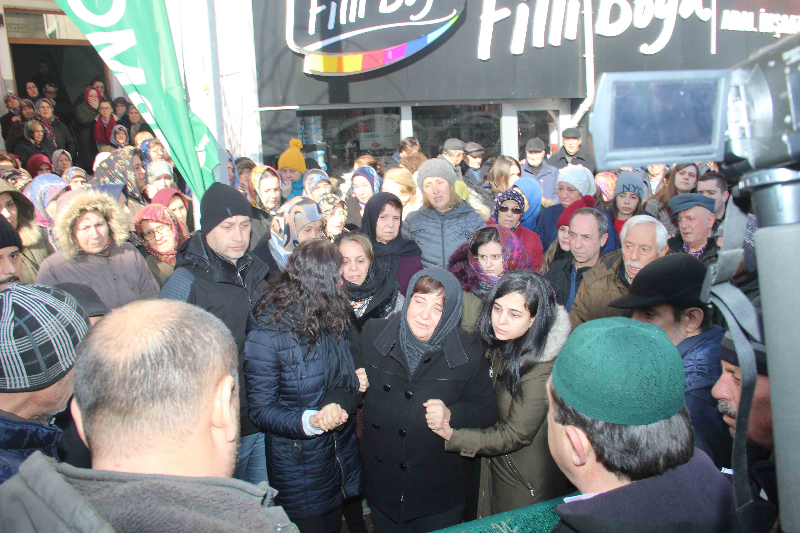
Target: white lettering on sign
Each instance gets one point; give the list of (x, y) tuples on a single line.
[(615, 17), (106, 20)]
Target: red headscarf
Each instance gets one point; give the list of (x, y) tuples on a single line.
[(35, 161), (162, 215)]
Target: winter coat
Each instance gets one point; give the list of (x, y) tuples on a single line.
[(709, 255), (560, 277), (64, 138), (603, 283), (354, 216), (119, 274), (35, 247), (703, 369), (59, 497), (581, 157), (471, 312), (439, 234), (87, 149), (382, 304), (692, 498), (228, 292), (547, 178), (663, 214), (24, 149), (6, 122), (19, 439), (547, 229), (284, 379), (161, 270), (404, 461), (532, 243), (517, 469)]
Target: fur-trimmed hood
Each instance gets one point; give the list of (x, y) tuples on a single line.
[(80, 204), (458, 265), (557, 336)]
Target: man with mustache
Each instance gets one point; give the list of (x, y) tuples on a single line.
[(10, 254), (666, 293), (644, 239)]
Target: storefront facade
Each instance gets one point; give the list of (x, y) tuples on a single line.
[(354, 77)]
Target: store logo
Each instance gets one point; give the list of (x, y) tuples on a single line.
[(344, 37)]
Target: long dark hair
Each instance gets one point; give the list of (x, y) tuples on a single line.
[(307, 293), (521, 354)]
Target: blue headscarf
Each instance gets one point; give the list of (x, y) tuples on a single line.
[(235, 183), (533, 193)]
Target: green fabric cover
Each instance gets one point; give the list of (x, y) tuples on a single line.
[(538, 518)]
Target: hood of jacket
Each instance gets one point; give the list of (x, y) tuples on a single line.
[(83, 203), (557, 336), (28, 230)]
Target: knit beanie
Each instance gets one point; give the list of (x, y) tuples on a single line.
[(8, 235), (579, 177), (436, 168), (628, 181), (41, 326), (620, 371), (219, 202), (156, 169), (566, 216), (293, 157)]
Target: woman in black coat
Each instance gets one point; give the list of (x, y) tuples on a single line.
[(55, 129), (302, 388), (34, 142), (423, 370)]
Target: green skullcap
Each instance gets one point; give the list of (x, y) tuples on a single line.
[(620, 371)]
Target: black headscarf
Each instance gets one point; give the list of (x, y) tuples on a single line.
[(451, 316), (394, 250), (378, 276)]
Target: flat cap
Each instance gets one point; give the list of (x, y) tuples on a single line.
[(682, 202), (571, 133), (453, 144), (534, 145), (472, 148)]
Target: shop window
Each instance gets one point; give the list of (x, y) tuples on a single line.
[(471, 123), (336, 138), (541, 124)]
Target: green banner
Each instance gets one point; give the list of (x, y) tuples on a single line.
[(134, 39)]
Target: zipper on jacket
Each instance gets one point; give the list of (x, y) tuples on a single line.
[(519, 474), (444, 256), (339, 462)]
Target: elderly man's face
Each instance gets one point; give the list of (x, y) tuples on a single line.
[(534, 159), (696, 226), (727, 392), (639, 249), (571, 145), (10, 266)]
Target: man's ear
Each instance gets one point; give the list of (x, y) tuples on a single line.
[(580, 445), (225, 411), (603, 240), (77, 416), (693, 318)]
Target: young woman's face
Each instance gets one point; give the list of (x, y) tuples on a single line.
[(627, 203), (177, 206), (121, 137), (563, 237), (513, 175), (105, 110), (231, 173), (31, 89), (362, 189), (64, 162), (355, 263), (510, 318), (139, 171), (686, 179), (490, 257), (335, 223)]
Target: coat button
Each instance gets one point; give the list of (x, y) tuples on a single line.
[(409, 394), (428, 360), (403, 466), (378, 458), (387, 387), (402, 432), (376, 426)]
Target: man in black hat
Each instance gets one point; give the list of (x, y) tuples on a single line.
[(215, 272), (472, 169), (571, 152), (536, 167), (666, 293), (10, 254), (696, 223)]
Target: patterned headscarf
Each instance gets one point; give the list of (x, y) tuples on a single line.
[(114, 142), (17, 178), (47, 123), (606, 181), (328, 203), (145, 148), (515, 257), (13, 95), (510, 194), (71, 172), (56, 155), (253, 187), (162, 215), (371, 176), (44, 189), (118, 168)]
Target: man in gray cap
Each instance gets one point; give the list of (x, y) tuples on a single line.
[(696, 223), (159, 176), (545, 173), (472, 169), (453, 153), (41, 326), (571, 152)]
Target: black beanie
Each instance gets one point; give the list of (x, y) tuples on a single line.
[(8, 235), (219, 202)]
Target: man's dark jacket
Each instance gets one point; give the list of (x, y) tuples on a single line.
[(228, 292), (20, 438), (709, 255), (581, 157), (560, 277)]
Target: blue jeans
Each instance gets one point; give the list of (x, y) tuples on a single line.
[(252, 463)]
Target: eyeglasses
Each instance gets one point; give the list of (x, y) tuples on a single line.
[(505, 208), (150, 235)]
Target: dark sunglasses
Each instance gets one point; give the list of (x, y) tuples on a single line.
[(505, 208)]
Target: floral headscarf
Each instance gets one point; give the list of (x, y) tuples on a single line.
[(515, 257), (371, 176), (56, 155), (145, 148), (328, 203), (510, 194), (44, 189), (114, 142), (71, 172), (118, 168), (17, 178), (606, 181), (253, 187), (162, 215), (10, 95)]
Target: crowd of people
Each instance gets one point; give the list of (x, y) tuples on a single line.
[(441, 338)]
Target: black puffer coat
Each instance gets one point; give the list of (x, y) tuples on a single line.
[(404, 461), (285, 378)]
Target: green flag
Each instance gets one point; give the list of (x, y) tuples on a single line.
[(135, 41)]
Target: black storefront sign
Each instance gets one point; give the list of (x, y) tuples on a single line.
[(492, 49)]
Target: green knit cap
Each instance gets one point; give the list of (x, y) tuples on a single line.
[(621, 371)]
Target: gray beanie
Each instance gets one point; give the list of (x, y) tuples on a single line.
[(579, 177), (156, 169), (436, 168), (628, 181)]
